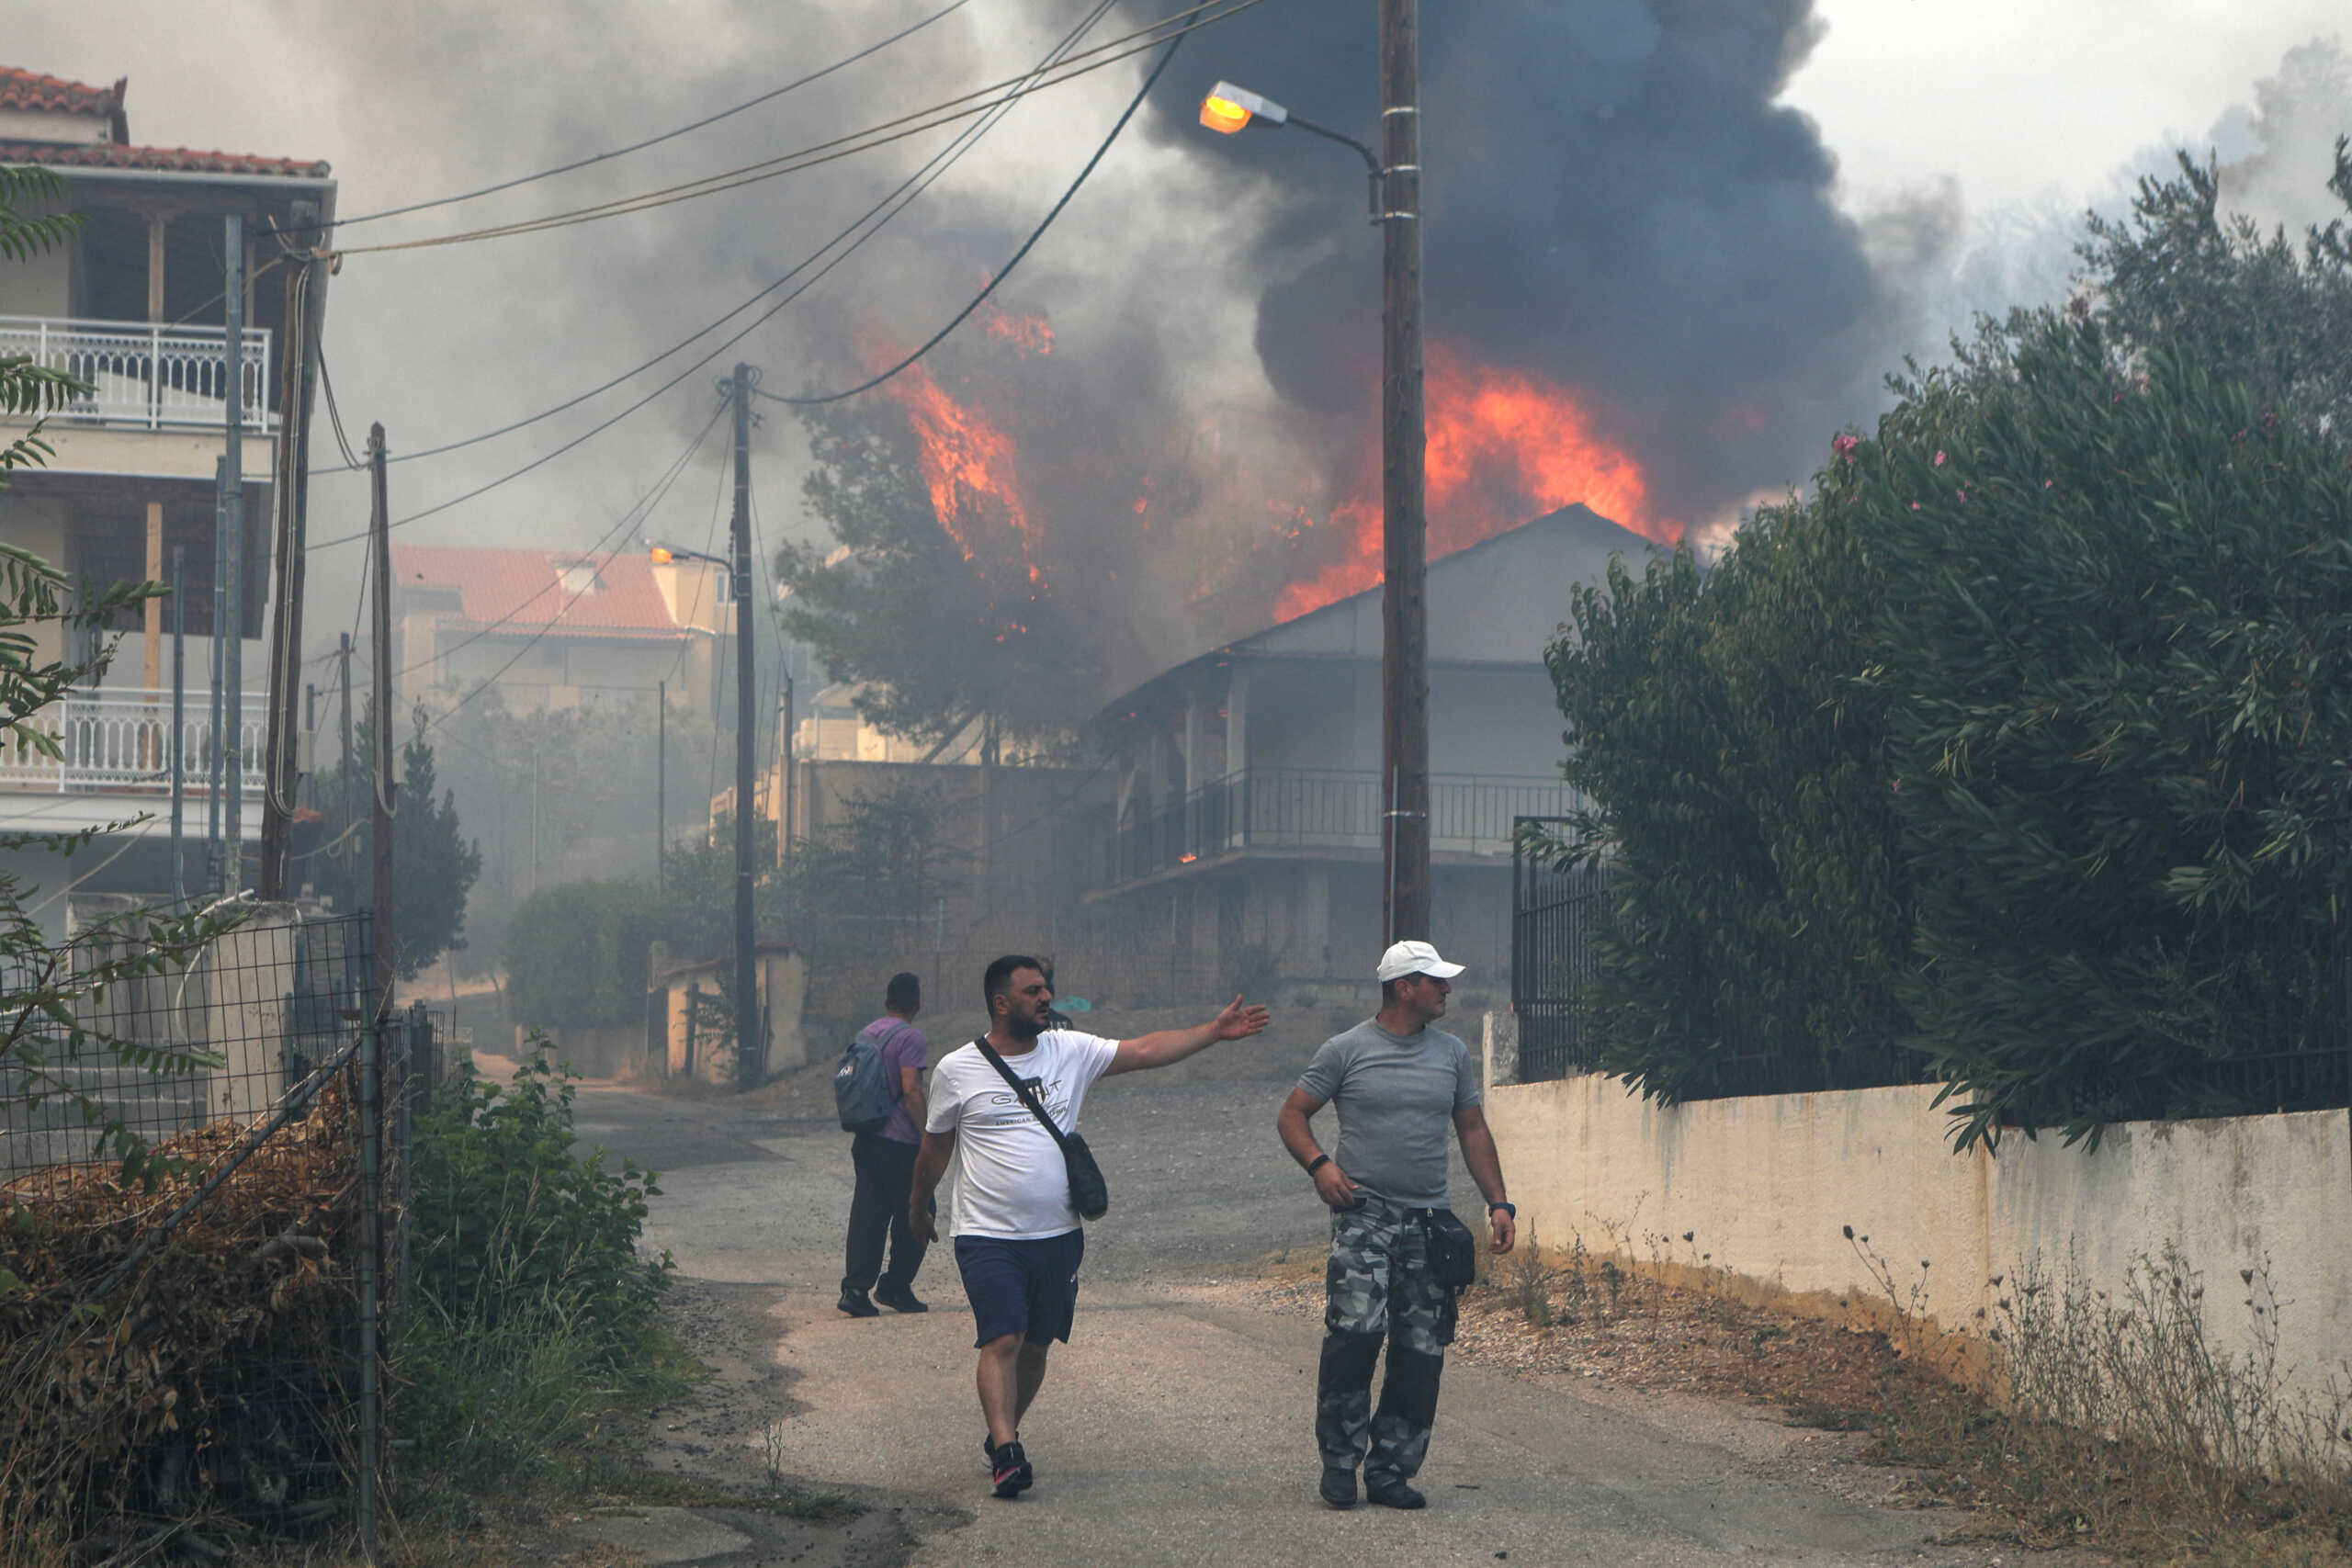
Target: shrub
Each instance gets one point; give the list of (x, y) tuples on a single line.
[(531, 1318), (576, 954)]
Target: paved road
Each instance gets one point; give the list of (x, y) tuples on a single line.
[(1175, 1429)]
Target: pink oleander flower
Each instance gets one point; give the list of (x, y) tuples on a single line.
[(1844, 445), (1939, 460)]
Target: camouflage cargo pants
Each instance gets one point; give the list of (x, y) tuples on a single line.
[(1378, 1290)]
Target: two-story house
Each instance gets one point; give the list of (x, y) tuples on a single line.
[(554, 628), (135, 304), (1251, 804)]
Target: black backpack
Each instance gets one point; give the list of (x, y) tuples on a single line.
[(865, 1090)]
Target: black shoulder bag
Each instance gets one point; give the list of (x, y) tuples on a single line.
[(1453, 1250), (1088, 1192)]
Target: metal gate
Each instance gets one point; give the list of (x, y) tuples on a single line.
[(1554, 912)]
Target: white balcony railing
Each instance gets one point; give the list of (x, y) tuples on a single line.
[(120, 741), (150, 376)]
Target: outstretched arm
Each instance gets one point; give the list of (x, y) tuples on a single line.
[(1487, 1170), (931, 1164), (1166, 1045)]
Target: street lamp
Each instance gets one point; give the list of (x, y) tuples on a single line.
[(1404, 655), (1228, 110)]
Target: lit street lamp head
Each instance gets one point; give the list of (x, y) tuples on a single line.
[(1229, 109)]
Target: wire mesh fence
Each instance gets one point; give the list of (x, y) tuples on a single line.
[(195, 1355)]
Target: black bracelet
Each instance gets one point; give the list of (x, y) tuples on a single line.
[(1317, 1163), (1510, 1209)]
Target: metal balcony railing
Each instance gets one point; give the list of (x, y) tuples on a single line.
[(147, 377), (120, 741), (1320, 809)]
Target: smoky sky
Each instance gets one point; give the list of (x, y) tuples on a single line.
[(1614, 199)]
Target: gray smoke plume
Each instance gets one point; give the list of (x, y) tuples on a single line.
[(1615, 201)]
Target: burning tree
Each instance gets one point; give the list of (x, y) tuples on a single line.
[(937, 601)]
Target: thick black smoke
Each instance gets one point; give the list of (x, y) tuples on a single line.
[(1614, 199)]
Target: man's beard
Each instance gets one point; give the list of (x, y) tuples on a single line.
[(1024, 1027)]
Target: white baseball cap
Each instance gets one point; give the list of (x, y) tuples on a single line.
[(1414, 958)]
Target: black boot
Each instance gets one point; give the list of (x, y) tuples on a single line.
[(857, 1304)]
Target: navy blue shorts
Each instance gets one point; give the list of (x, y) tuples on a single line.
[(1029, 1288)]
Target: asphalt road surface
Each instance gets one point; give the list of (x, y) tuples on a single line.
[(1176, 1427)]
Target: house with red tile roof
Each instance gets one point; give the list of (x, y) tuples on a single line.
[(553, 628), (135, 304)]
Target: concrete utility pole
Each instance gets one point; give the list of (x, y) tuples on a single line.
[(298, 378), (748, 1044), (232, 517), (179, 728), (214, 861), (381, 648), (662, 787), (1403, 660)]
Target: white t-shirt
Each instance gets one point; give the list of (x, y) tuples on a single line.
[(1014, 1185)]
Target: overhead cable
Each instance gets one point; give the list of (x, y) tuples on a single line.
[(922, 178), (1006, 270), (634, 515), (919, 182), (774, 93), (872, 137)]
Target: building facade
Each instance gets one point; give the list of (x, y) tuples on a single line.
[(135, 304), (1249, 814), (553, 630)]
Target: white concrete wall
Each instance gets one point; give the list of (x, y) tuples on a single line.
[(1767, 1184)]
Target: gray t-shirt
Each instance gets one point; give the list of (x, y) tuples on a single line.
[(1397, 1095)]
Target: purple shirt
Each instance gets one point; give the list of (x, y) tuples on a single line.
[(902, 1046)]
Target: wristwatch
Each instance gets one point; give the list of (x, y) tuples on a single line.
[(1510, 1209)]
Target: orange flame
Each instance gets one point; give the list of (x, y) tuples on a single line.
[(1030, 333), (968, 463), (1503, 445)]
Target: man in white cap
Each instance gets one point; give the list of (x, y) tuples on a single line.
[(1397, 1081)]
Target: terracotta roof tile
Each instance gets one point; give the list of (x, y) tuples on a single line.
[(522, 590), (187, 160), (31, 90)]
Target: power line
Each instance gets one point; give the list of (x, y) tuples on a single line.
[(635, 514), (821, 153), (1006, 270), (643, 509), (927, 175), (774, 93)]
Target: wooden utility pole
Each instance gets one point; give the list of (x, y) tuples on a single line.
[(381, 648), (1403, 660), (748, 1043), (298, 378)]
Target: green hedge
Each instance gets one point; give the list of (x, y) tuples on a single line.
[(2020, 743), (576, 954)]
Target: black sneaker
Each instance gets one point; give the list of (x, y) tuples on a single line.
[(1394, 1493), (1338, 1487), (857, 1304), (1010, 1468), (901, 1300)]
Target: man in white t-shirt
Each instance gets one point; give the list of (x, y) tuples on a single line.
[(1018, 1242)]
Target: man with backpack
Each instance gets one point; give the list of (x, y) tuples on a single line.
[(878, 1090)]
